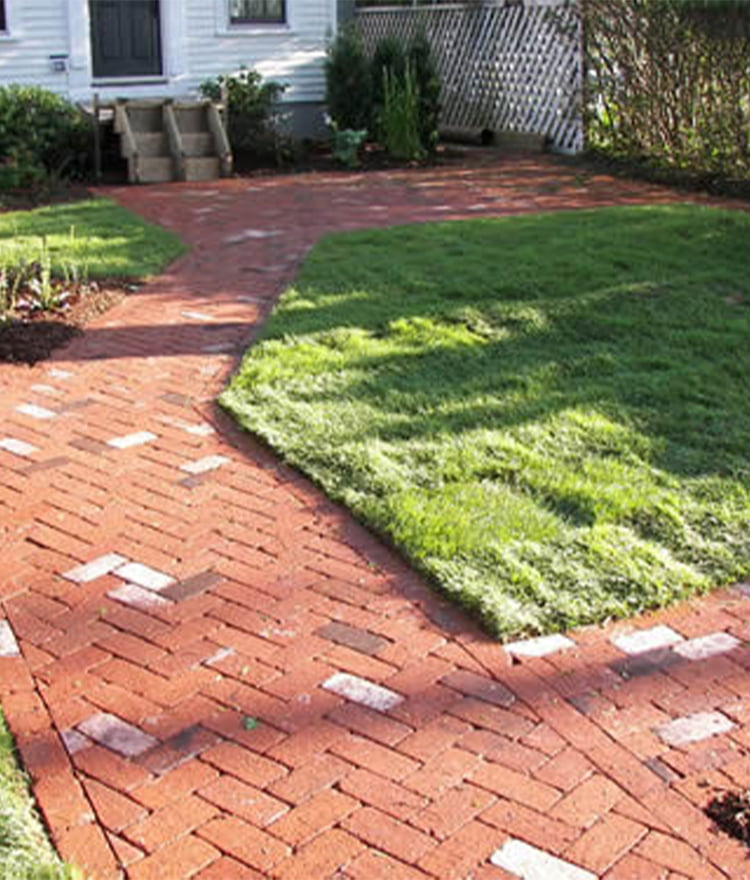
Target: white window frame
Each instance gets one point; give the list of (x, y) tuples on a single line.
[(224, 26), (10, 32)]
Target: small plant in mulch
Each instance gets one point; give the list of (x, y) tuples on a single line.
[(41, 309), (731, 812)]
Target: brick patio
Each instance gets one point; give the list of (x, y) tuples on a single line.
[(212, 672)]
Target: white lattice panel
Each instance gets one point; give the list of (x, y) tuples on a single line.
[(514, 68)]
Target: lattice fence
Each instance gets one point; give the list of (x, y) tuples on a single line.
[(516, 68)]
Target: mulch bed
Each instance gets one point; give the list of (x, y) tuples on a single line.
[(34, 337), (731, 812)]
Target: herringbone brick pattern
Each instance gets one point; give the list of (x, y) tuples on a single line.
[(212, 672)]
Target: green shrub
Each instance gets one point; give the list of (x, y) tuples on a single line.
[(347, 143), (427, 82), (348, 82), (42, 136), (251, 111)]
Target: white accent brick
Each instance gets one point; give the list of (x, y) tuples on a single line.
[(57, 373), (219, 348), (201, 430), (137, 597), (647, 640), (96, 568), (35, 412), (203, 465), (529, 863), (250, 234), (116, 734), (74, 741), (540, 647), (17, 447), (221, 654), (46, 389), (143, 576), (361, 691), (692, 728), (703, 647), (129, 440), (197, 316), (8, 644)]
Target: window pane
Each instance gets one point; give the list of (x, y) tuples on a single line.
[(2, 15), (257, 10)]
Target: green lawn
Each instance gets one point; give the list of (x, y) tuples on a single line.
[(99, 237), (25, 852), (549, 414)]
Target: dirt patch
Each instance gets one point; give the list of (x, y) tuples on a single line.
[(33, 337)]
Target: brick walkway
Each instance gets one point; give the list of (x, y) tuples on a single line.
[(221, 676)]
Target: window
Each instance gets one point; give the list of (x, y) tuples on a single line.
[(3, 20), (256, 11)]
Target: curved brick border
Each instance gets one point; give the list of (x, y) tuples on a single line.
[(212, 672)]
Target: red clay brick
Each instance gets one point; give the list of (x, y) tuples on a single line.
[(374, 757), (245, 801), (244, 764), (228, 869), (676, 855), (172, 821), (453, 810), (87, 847), (588, 802), (375, 865), (110, 768), (114, 810), (244, 842), (179, 859), (390, 797), (323, 857), (515, 786), (321, 772), (385, 833), (458, 856), (605, 843), (523, 823), (635, 868), (315, 816)]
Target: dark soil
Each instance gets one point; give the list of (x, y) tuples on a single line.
[(33, 338), (731, 812)]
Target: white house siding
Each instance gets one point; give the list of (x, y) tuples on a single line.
[(197, 44), (38, 29)]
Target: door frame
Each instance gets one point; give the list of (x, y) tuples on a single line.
[(130, 76)]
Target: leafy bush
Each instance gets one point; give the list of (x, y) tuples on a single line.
[(42, 136), (347, 143), (668, 84), (253, 124), (348, 82)]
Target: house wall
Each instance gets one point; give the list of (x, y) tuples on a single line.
[(197, 44)]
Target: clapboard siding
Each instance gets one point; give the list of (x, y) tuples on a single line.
[(198, 41), (38, 29), (293, 56)]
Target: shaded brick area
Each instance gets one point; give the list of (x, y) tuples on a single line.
[(211, 671)]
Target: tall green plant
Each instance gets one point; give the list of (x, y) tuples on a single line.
[(400, 116), (389, 55), (348, 82)]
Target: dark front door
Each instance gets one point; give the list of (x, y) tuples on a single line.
[(125, 38)]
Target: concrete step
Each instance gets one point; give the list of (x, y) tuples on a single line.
[(198, 144), (204, 168), (143, 118), (155, 169), (191, 120), (152, 143)]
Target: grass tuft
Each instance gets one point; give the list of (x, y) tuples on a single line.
[(548, 414)]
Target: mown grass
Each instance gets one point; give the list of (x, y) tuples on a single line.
[(98, 237), (25, 852), (548, 414)]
